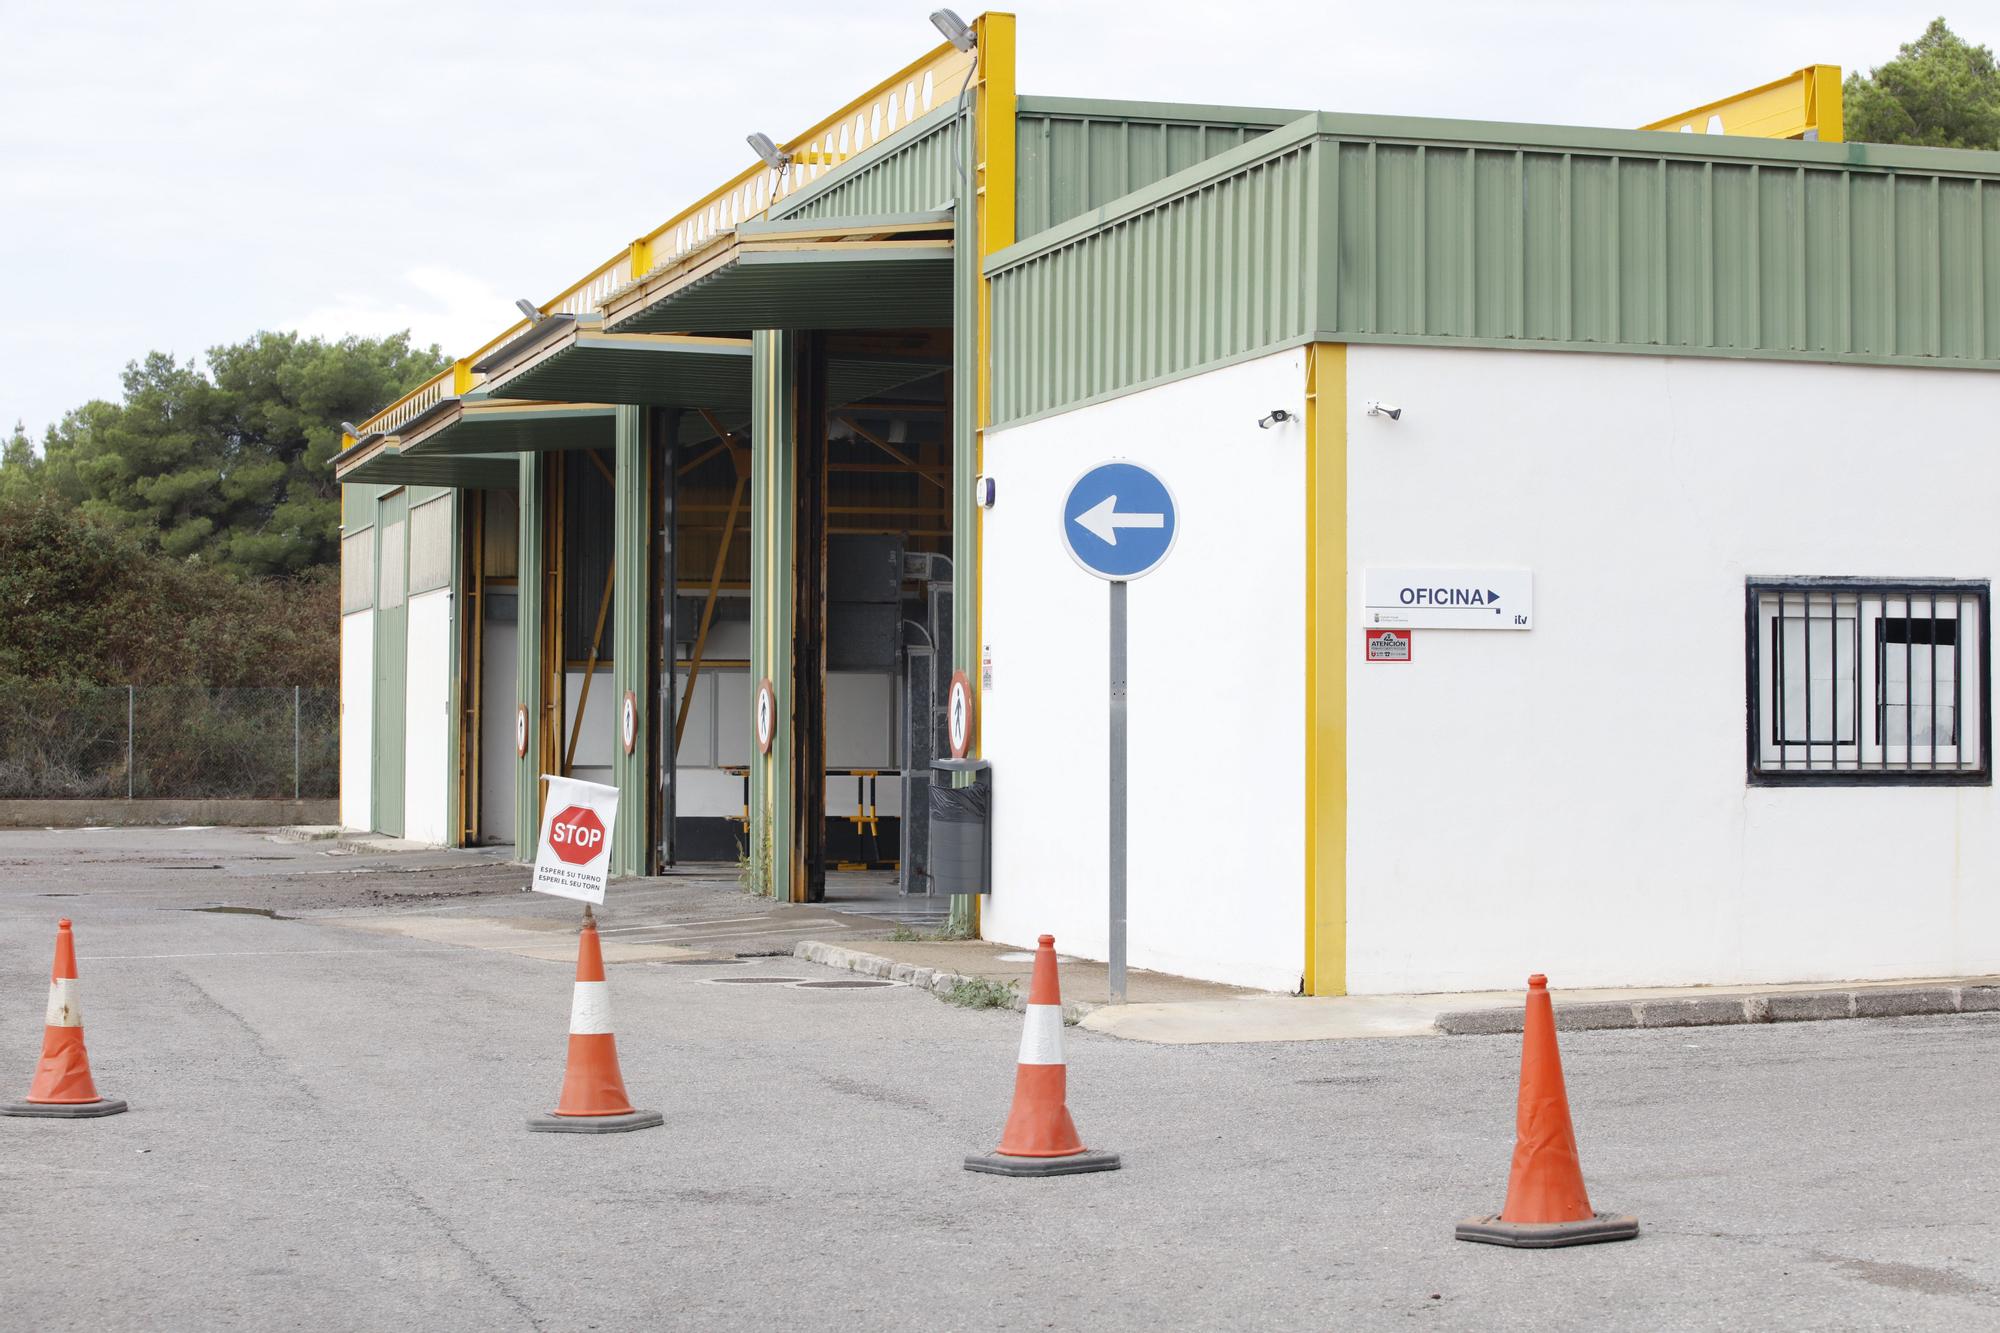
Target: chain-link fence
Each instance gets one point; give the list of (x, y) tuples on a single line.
[(172, 741)]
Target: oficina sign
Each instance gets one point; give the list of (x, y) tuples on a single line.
[(1449, 598)]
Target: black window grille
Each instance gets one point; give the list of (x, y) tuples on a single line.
[(1868, 682)]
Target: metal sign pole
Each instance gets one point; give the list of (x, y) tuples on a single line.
[(1117, 964), (1118, 524)]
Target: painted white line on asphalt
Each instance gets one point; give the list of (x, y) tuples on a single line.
[(687, 925), (770, 930), (258, 953)]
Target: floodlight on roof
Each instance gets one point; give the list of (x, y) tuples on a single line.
[(351, 429), (955, 29), (774, 157), (530, 311)]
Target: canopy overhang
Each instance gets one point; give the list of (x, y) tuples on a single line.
[(512, 427), (583, 364), (386, 465), (893, 271)]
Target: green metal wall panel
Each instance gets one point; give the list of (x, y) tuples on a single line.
[(1158, 293), (530, 571), (455, 748), (1073, 155), (910, 173), (771, 506), (630, 659), (1370, 229)]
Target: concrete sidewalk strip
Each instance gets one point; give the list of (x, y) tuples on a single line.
[(1179, 1011), (938, 981), (1789, 1006)]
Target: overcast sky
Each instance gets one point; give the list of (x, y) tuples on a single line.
[(177, 175)]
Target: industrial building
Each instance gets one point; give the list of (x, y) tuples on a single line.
[(1583, 559)]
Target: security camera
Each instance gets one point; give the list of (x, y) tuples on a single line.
[(1276, 417), (1385, 410)]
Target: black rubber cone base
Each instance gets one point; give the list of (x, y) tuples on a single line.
[(66, 1110), (1547, 1235), (1000, 1164), (596, 1124)]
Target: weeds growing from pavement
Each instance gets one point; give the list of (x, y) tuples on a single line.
[(902, 934), (979, 993)]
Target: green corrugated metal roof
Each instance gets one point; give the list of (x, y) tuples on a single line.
[(844, 288), (1074, 154), (908, 172), (609, 368), (391, 467), (1455, 233), (499, 430), (686, 373)]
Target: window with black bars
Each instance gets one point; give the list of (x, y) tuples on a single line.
[(1867, 682)]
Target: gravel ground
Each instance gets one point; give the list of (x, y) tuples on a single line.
[(327, 1132)]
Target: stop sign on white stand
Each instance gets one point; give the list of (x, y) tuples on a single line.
[(574, 852)]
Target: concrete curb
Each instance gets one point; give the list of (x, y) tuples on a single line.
[(219, 812), (1713, 1010), (934, 980)]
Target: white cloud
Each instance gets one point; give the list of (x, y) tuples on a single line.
[(455, 310)]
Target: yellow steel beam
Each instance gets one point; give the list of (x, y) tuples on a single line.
[(1805, 104), (993, 120)]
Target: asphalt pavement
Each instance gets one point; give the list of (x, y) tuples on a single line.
[(327, 1132)]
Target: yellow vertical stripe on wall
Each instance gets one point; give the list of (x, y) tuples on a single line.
[(995, 108), (993, 119), (1326, 669)]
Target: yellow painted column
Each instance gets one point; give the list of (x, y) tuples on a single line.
[(994, 110), (992, 210), (1326, 669)]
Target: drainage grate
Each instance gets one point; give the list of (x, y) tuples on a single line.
[(751, 981), (698, 962), (843, 985)]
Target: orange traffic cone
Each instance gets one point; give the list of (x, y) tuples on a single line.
[(62, 1087), (1040, 1139), (1546, 1204), (593, 1097)]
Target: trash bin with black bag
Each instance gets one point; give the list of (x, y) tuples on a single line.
[(962, 827)]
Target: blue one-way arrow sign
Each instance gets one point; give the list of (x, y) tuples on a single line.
[(1119, 521)]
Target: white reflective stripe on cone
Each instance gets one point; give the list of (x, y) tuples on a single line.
[(65, 1005), (590, 1008), (1041, 1035)]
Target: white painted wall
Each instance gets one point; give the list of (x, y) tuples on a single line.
[(499, 766), (597, 744), (1572, 799), (1216, 659), (427, 754), (357, 719)]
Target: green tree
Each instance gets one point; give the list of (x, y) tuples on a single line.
[(88, 605), (1941, 92), (21, 473), (230, 464)]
